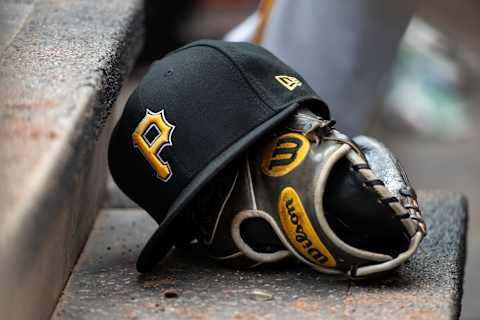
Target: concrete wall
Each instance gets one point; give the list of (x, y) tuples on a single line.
[(61, 67)]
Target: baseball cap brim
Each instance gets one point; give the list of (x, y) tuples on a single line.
[(171, 228)]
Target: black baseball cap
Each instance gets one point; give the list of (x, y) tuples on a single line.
[(195, 111)]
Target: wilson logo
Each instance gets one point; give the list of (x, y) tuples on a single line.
[(299, 229), (153, 134), (284, 154), (288, 82)]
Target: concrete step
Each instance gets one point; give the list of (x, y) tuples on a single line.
[(187, 285), (61, 66), (12, 17)]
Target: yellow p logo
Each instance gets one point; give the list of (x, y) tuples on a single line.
[(153, 134)]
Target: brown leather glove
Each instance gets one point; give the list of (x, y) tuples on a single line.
[(341, 206)]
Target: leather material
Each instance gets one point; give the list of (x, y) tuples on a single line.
[(305, 179), (355, 214), (356, 221)]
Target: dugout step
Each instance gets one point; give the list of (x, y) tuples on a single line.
[(187, 285), (62, 65)]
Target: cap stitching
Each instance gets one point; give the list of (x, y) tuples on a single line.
[(239, 69), (254, 98), (259, 86)]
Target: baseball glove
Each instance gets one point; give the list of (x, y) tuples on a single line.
[(341, 206)]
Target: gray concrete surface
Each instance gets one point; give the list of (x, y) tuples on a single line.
[(447, 165), (188, 285), (61, 67), (12, 17)]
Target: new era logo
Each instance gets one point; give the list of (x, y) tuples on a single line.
[(288, 82)]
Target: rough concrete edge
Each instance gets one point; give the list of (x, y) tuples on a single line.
[(462, 249), (461, 262), (458, 200), (91, 118), (59, 305), (97, 111), (12, 36)]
